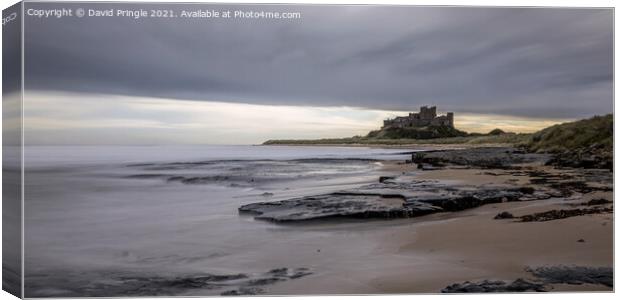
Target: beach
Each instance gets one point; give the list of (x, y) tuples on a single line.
[(138, 222), (440, 249)]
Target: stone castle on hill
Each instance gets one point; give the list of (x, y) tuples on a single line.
[(426, 117)]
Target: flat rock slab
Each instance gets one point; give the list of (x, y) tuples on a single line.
[(389, 199), (495, 286), (335, 205)]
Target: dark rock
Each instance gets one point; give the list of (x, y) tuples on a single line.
[(600, 201), (405, 196), (244, 291), (563, 213), (75, 284), (495, 286), (581, 241), (527, 190), (595, 156), (390, 199), (417, 158), (332, 205), (384, 178), (483, 157), (265, 281), (566, 184), (544, 275), (504, 215), (575, 275)]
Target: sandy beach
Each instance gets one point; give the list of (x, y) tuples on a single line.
[(440, 249)]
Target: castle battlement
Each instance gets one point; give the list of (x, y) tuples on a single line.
[(427, 116)]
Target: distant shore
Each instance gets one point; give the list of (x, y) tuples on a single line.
[(502, 139), (429, 146)]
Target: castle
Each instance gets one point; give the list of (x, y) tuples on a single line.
[(426, 117)]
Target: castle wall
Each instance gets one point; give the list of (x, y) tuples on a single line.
[(427, 116)]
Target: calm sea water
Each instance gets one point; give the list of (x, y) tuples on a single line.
[(90, 211), (37, 156)]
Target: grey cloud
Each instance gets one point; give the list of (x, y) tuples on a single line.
[(538, 62)]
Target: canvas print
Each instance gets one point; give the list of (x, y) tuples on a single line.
[(174, 149)]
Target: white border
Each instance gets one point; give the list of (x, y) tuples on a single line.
[(539, 3)]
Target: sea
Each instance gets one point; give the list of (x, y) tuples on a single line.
[(98, 217)]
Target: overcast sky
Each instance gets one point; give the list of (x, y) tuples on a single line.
[(526, 63)]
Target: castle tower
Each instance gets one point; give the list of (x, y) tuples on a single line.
[(425, 113), (450, 116), (433, 112)]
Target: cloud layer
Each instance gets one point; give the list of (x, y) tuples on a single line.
[(529, 62), (62, 118)]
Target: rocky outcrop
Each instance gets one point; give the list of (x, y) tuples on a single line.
[(334, 205), (592, 157), (391, 198), (495, 286), (543, 277), (575, 274), (565, 183), (563, 214), (484, 157), (599, 201), (406, 196)]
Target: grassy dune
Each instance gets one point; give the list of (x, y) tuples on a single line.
[(596, 132)]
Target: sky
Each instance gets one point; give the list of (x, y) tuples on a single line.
[(337, 71)]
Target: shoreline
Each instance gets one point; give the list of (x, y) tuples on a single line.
[(439, 237), (471, 246), (403, 146)]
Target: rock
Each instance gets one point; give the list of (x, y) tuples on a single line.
[(146, 285), (593, 157), (390, 199), (384, 178), (417, 157), (563, 213), (504, 215), (575, 274), (495, 286), (581, 241), (244, 291), (566, 184), (332, 205), (483, 157), (544, 275), (600, 201), (527, 190), (403, 196)]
